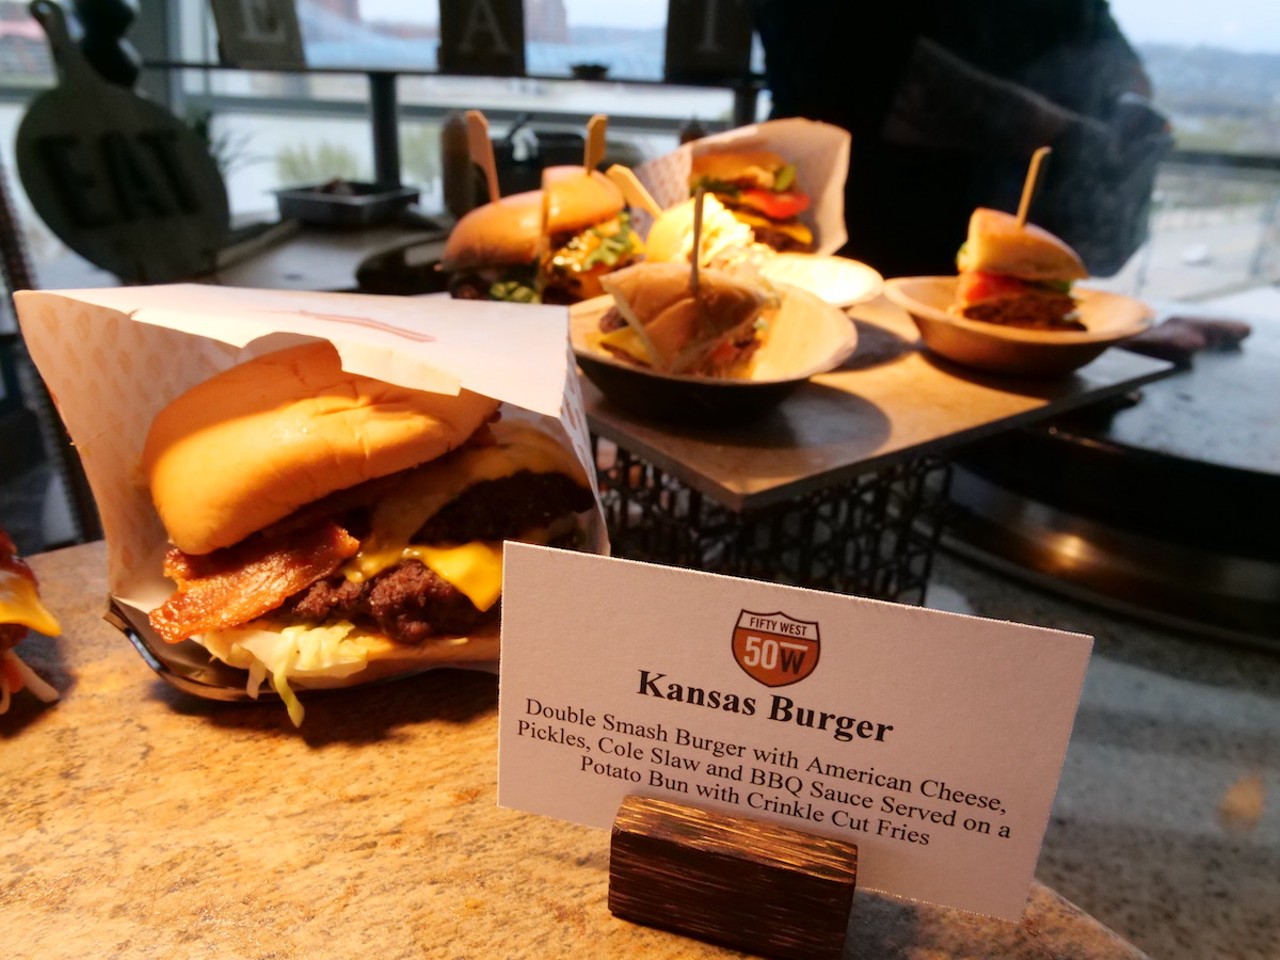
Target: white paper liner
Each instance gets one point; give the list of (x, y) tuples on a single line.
[(820, 152)]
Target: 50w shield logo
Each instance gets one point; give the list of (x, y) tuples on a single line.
[(775, 649)]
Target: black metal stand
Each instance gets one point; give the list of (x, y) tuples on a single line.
[(874, 536)]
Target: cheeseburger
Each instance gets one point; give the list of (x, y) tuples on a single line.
[(658, 320), (759, 188), (1016, 274), (20, 609), (327, 528), (499, 251)]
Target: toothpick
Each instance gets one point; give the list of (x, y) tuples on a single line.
[(696, 254), (1029, 185), (633, 189), (544, 238), (594, 150), (481, 149)]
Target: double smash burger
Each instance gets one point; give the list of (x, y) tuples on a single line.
[(327, 528), (551, 245)]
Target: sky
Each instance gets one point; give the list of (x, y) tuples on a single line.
[(1248, 25)]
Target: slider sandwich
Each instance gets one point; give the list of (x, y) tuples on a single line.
[(327, 528), (658, 320), (21, 609), (1016, 274), (759, 188), (498, 251)]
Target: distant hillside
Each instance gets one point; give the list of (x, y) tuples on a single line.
[(1218, 99)]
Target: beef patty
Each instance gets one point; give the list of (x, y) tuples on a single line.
[(409, 603)]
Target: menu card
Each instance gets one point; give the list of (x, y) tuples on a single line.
[(933, 741)]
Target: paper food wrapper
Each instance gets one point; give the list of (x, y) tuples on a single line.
[(113, 358), (820, 152)]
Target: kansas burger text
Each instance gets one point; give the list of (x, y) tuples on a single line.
[(783, 709)]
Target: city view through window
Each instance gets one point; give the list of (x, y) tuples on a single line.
[(1215, 73)]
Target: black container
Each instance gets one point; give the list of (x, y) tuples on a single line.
[(346, 204)]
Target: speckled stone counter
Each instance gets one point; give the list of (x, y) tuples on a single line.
[(142, 823), (1166, 826)]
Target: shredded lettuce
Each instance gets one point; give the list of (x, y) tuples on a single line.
[(783, 179), (722, 187), (1055, 286), (331, 651)]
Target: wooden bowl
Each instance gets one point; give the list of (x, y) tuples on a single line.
[(1108, 318), (806, 336)]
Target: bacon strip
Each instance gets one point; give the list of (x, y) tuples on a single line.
[(239, 583)]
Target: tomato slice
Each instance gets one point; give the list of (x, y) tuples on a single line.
[(974, 286), (779, 205)]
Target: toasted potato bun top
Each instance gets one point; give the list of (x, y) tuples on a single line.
[(997, 244), (502, 232), (508, 230), (254, 443)]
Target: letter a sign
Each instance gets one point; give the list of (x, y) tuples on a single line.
[(482, 37), (775, 649)]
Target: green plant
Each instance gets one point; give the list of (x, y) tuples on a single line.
[(322, 162), (228, 148), (420, 154)]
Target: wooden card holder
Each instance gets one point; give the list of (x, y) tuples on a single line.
[(733, 881)]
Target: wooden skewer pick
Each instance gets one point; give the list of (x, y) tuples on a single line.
[(544, 237), (633, 189), (594, 151), (1029, 185), (481, 148), (696, 253)]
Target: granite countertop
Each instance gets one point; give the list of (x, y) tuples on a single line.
[(1166, 825), (141, 822)]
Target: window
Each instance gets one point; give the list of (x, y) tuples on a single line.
[(1215, 70), (1216, 74), (278, 129)]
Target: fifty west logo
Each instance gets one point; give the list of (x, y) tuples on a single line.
[(775, 649)]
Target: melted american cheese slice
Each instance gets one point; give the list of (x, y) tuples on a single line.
[(795, 230), (474, 568), (626, 340), (20, 603)]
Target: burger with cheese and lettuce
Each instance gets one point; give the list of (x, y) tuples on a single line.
[(1016, 274), (499, 251), (327, 528), (759, 188)]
